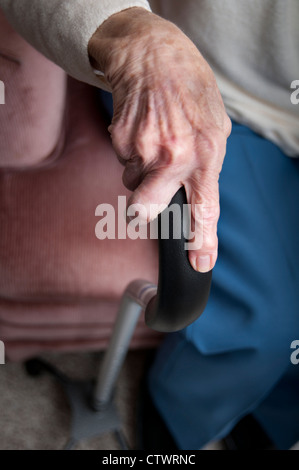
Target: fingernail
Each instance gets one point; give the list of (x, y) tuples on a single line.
[(203, 263)]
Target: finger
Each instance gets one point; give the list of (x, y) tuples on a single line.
[(133, 173), (153, 194), (203, 195), (122, 145)]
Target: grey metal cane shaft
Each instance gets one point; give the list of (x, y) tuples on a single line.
[(133, 303)]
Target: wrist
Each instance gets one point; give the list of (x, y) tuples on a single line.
[(124, 38)]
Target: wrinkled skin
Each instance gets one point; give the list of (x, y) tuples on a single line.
[(169, 126)]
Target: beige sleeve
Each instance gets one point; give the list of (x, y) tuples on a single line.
[(61, 29)]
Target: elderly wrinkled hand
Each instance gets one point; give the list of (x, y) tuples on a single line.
[(169, 127)]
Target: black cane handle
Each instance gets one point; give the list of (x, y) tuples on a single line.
[(182, 292)]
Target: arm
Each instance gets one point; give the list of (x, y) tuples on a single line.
[(60, 30), (169, 126)]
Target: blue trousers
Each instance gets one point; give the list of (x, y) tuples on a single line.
[(235, 358)]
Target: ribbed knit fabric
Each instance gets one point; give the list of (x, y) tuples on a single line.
[(252, 47)]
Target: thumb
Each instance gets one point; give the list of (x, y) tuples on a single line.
[(153, 195), (203, 195)]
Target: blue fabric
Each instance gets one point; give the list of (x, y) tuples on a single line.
[(105, 99), (235, 358)]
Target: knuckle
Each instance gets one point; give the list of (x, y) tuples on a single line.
[(142, 144), (145, 146), (212, 144), (120, 144), (210, 242), (227, 125), (210, 214)]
